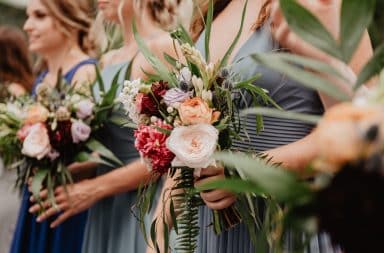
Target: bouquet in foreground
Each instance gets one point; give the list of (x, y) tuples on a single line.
[(184, 116), (42, 135)]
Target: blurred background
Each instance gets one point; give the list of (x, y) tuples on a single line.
[(13, 12)]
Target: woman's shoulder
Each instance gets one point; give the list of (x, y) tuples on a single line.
[(84, 71)]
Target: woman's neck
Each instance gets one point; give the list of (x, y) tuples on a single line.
[(146, 28), (63, 57)]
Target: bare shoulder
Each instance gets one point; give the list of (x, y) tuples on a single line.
[(108, 57), (85, 74), (163, 44)]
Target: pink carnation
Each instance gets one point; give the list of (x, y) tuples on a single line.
[(151, 143)]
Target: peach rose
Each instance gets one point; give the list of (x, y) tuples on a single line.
[(37, 144), (196, 111), (36, 114)]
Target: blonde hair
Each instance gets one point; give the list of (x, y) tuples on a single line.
[(198, 20), (74, 15)]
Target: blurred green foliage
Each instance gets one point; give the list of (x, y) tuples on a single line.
[(14, 16)]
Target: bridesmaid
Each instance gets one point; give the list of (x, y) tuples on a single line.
[(58, 32), (16, 76), (284, 140), (111, 225)]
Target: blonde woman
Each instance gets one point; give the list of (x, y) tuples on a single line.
[(111, 225), (58, 31)]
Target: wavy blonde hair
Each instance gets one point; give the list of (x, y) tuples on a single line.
[(75, 15)]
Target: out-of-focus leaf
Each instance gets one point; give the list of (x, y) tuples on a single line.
[(96, 146), (208, 27), (271, 112), (37, 182), (300, 75), (356, 15), (374, 66), (309, 28)]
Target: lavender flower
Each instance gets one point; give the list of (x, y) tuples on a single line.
[(175, 95)]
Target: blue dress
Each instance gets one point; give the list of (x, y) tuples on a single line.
[(277, 132), (33, 237), (111, 225)]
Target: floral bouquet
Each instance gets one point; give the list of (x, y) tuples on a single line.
[(348, 168), (42, 135), (184, 116)]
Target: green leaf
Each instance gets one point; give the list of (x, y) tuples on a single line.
[(172, 61), (37, 182), (110, 95), (100, 80), (96, 146), (311, 64), (273, 181), (86, 157), (309, 28), (271, 112), (208, 28), (374, 66), (300, 75), (356, 15), (173, 216), (233, 185), (158, 65), (128, 72), (224, 61)]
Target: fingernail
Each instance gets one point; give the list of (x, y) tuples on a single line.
[(38, 219), (30, 210)]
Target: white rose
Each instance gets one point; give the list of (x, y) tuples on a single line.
[(193, 145), (37, 144), (80, 131), (84, 108)]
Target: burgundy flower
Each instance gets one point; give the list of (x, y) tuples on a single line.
[(61, 137), (159, 89), (146, 105), (151, 143)]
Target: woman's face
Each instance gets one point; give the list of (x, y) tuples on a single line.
[(42, 28), (110, 9)]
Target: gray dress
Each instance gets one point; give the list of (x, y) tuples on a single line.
[(277, 132), (9, 207), (111, 226)]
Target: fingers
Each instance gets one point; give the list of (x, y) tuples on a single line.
[(212, 171), (222, 204), (43, 195), (52, 211), (62, 217), (215, 195)]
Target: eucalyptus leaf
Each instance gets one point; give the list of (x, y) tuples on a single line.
[(309, 28), (208, 28), (271, 112)]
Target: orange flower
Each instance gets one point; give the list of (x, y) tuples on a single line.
[(36, 114), (195, 111)]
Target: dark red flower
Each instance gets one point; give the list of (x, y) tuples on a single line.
[(159, 89), (146, 105), (61, 137)]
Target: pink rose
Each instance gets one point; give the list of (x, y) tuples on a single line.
[(23, 132), (193, 145), (84, 108), (35, 114), (37, 144), (195, 111), (80, 131)]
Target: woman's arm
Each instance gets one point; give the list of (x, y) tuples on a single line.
[(81, 196)]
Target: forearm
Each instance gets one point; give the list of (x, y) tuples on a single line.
[(295, 156), (123, 179)]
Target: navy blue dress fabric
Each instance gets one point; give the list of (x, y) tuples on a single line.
[(33, 237)]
